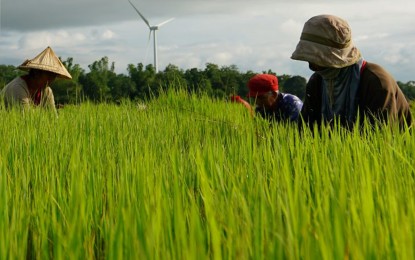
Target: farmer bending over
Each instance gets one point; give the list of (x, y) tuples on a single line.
[(33, 89), (345, 86), (270, 103)]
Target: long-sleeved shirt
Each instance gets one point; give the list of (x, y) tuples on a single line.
[(17, 93), (288, 108), (379, 98)]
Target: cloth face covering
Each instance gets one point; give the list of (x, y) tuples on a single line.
[(339, 88)]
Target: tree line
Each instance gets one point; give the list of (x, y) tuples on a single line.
[(102, 84)]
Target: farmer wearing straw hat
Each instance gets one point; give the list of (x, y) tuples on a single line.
[(33, 89), (270, 102), (344, 86)]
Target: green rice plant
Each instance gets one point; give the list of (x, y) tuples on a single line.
[(188, 177)]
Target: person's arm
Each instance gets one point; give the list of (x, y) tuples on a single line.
[(380, 98), (17, 94), (311, 108), (238, 99), (293, 107), (48, 100)]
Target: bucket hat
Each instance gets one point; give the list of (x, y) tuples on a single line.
[(47, 61), (326, 40), (262, 83)]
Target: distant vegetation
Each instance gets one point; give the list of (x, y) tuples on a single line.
[(102, 84)]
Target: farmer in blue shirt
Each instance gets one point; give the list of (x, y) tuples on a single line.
[(270, 103)]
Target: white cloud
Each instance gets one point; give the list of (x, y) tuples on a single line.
[(221, 58), (108, 34), (292, 27)]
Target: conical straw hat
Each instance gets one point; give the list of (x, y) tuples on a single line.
[(48, 61)]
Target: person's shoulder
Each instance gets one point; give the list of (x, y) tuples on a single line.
[(373, 66), (291, 106), (290, 97), (315, 77), (376, 77), (314, 81), (17, 82), (374, 70), (291, 100), (48, 90), (16, 85)]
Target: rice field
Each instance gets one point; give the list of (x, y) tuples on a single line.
[(194, 178)]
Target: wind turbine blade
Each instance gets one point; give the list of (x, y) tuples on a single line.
[(142, 16), (160, 24), (149, 36), (148, 44)]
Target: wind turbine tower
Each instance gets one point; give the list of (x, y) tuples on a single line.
[(153, 29)]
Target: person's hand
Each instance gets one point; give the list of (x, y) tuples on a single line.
[(237, 99)]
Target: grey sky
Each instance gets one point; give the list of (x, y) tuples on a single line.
[(253, 35)]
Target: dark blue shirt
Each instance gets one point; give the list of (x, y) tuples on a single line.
[(287, 109)]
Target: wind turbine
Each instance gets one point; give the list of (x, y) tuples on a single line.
[(153, 29)]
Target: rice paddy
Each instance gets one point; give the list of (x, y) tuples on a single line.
[(194, 178)]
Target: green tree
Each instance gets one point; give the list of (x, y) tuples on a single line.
[(243, 88), (408, 89), (8, 73), (197, 81), (231, 79), (122, 87), (96, 82), (269, 72), (281, 81), (143, 78), (213, 73), (69, 91), (295, 85), (172, 76)]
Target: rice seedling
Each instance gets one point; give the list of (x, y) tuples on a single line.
[(188, 177)]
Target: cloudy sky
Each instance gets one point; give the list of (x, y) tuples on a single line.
[(254, 35)]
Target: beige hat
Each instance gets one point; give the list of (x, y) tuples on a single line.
[(48, 61), (326, 41)]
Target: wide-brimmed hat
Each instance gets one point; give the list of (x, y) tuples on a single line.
[(326, 40), (47, 61), (262, 83)]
